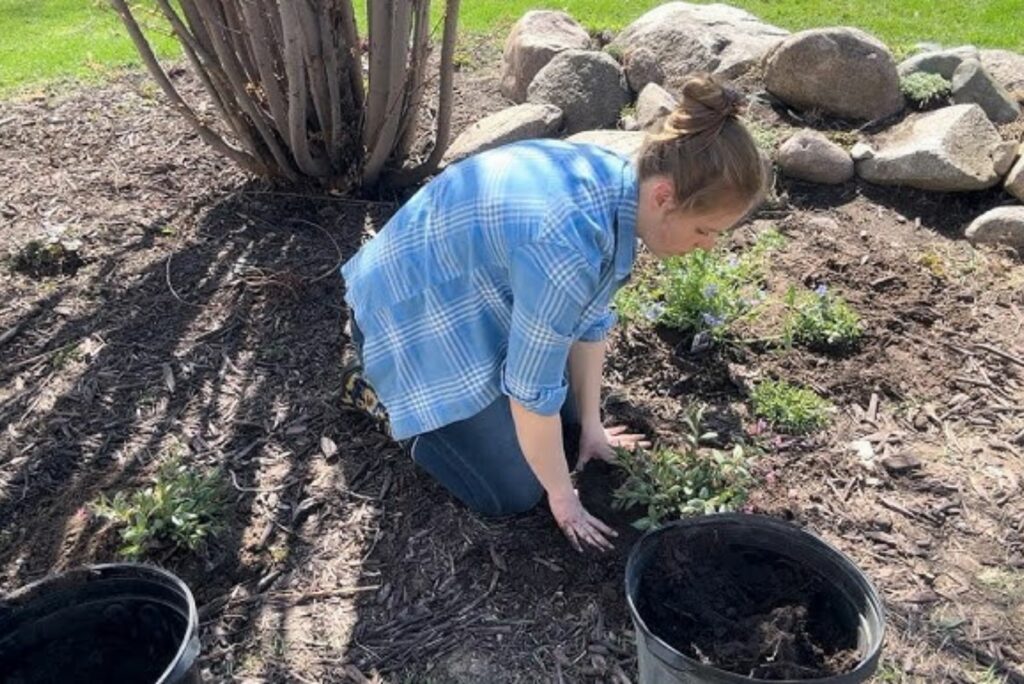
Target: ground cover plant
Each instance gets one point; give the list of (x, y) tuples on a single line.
[(925, 90), (789, 408), (821, 319)]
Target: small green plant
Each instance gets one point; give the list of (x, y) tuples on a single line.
[(789, 408), (766, 137), (627, 111), (925, 90), (670, 484), (700, 291), (180, 508), (55, 255), (615, 52), (820, 319)]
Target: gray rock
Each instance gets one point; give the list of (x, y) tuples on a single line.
[(626, 143), (686, 37), (952, 149), (1004, 157), (1006, 67), (629, 123), (520, 122), (941, 62), (1015, 180), (839, 71), (972, 84), (1000, 226), (810, 156), (653, 105), (861, 151), (536, 38), (642, 67), (589, 88)]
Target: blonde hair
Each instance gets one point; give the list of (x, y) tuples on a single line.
[(705, 149)]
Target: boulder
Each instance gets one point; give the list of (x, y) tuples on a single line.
[(810, 156), (626, 143), (642, 67), (653, 105), (589, 87), (520, 122), (686, 37), (972, 84), (839, 71), (1006, 67), (952, 149), (1015, 181), (537, 37), (1000, 226), (861, 151), (1004, 157), (941, 62)]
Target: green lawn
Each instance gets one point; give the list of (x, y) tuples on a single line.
[(47, 40)]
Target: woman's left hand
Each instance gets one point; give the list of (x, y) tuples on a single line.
[(599, 442)]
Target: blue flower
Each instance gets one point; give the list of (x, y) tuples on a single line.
[(711, 320), (654, 311), (710, 290), (821, 290)]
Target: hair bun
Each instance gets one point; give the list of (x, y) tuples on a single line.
[(708, 102)]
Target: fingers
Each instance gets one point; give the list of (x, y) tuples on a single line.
[(570, 534), (601, 526), (615, 430)]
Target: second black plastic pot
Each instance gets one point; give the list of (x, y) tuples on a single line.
[(123, 623), (860, 609)]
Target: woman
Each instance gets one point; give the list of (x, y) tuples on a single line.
[(480, 311)]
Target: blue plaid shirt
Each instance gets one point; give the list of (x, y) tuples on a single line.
[(480, 284)]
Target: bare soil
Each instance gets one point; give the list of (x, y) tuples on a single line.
[(207, 317)]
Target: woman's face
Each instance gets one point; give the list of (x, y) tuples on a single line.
[(669, 231)]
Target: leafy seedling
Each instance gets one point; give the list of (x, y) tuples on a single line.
[(669, 484), (181, 509), (789, 408), (821, 320)]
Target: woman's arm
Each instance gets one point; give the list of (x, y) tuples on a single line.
[(540, 438), (586, 371)]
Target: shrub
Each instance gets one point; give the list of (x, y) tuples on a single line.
[(180, 508), (820, 319), (925, 90), (669, 484), (789, 408), (287, 80)]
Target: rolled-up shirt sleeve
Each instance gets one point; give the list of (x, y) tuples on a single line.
[(599, 329), (552, 282)]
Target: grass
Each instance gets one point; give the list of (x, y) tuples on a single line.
[(789, 408), (50, 40)]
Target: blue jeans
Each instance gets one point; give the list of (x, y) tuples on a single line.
[(478, 460)]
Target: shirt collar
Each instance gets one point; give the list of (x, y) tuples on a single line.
[(625, 224)]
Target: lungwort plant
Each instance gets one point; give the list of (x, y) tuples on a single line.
[(181, 508), (299, 94), (669, 484)]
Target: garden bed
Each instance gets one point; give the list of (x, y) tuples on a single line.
[(206, 319)]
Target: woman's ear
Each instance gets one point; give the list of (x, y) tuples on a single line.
[(663, 194)]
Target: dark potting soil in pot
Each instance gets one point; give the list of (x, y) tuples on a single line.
[(748, 611), (129, 641)]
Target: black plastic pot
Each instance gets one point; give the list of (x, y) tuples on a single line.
[(860, 608), (123, 623)]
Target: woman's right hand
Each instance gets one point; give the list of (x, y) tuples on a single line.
[(578, 525)]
